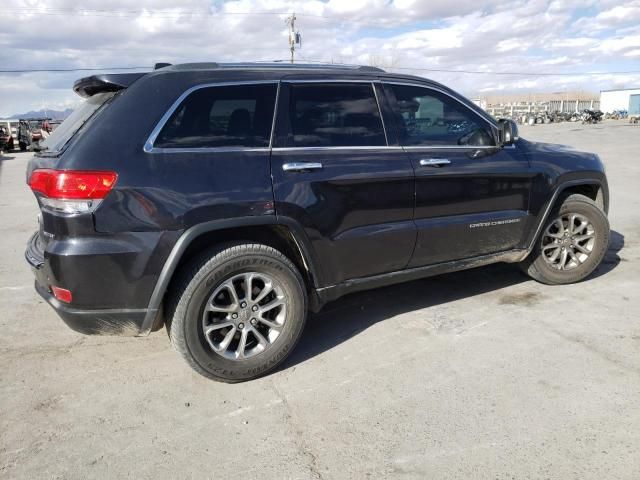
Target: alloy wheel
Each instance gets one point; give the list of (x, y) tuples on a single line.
[(244, 315), (568, 241)]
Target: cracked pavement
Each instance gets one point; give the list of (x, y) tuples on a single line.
[(477, 374)]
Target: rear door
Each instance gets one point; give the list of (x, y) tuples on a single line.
[(334, 173), (471, 196)]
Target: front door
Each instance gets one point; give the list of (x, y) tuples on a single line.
[(471, 195), (334, 174)]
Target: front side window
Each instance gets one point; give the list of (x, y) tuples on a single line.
[(225, 116), (334, 115), (427, 117)]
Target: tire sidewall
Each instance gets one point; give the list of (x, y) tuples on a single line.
[(199, 291), (601, 243)]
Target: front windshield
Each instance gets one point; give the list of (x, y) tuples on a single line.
[(61, 135)]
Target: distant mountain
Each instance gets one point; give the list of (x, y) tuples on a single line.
[(53, 114)]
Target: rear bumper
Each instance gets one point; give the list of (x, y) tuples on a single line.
[(122, 322), (89, 319)]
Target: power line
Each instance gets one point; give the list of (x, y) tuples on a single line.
[(417, 69), (62, 70), (484, 72), (167, 13), (529, 74)]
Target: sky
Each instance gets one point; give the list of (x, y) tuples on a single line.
[(574, 38)]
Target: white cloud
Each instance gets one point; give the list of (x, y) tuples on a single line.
[(618, 45), (485, 35)]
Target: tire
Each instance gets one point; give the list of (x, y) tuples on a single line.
[(540, 266), (220, 270)]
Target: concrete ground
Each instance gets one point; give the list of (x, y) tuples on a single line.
[(478, 374)]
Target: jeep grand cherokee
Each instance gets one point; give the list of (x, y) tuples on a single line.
[(224, 201)]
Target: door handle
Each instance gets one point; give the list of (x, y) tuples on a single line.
[(434, 162), (301, 166)]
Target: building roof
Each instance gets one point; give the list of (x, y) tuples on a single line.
[(619, 89)]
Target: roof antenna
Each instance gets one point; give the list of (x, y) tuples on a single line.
[(158, 66)]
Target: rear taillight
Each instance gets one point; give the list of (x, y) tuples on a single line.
[(71, 191)]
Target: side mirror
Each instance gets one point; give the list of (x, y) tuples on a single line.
[(508, 132)]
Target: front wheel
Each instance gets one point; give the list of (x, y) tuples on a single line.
[(237, 312), (572, 244)]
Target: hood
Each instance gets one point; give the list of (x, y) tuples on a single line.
[(562, 158)]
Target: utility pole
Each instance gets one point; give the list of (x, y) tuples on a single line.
[(293, 36)]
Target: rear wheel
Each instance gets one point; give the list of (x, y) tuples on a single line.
[(572, 243), (237, 312)]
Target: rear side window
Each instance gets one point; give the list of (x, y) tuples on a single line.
[(334, 115), (74, 122), (427, 117), (228, 116)]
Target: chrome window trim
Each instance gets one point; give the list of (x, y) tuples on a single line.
[(450, 147), (384, 128), (328, 80), (275, 116), (208, 149), (149, 148), (389, 147), (315, 149)]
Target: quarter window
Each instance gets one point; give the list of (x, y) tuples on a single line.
[(427, 117), (226, 116), (334, 115)]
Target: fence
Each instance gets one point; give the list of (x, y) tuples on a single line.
[(521, 108)]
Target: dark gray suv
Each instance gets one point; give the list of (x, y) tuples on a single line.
[(223, 201)]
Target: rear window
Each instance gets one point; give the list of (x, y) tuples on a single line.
[(226, 116), (74, 122)]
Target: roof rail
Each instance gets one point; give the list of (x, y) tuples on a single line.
[(368, 68), (272, 64)]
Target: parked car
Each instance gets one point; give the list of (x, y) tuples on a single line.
[(25, 135), (231, 199), (5, 137), (34, 131), (10, 141)]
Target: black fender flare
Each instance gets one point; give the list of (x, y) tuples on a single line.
[(189, 235), (561, 187)]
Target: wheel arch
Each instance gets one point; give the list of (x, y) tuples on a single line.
[(593, 188), (282, 233)]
